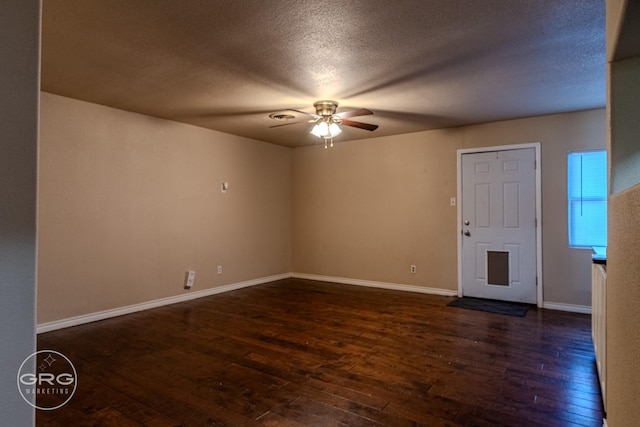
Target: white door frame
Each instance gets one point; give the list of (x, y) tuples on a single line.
[(536, 147)]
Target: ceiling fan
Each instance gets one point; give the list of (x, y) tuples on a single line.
[(327, 122)]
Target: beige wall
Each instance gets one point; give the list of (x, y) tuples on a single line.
[(128, 203), (623, 252), (19, 92), (368, 209), (623, 300)]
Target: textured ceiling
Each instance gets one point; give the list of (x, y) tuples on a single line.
[(418, 65)]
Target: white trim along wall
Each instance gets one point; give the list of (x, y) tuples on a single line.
[(106, 314), (102, 315)]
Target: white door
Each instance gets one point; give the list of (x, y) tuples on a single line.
[(499, 225)]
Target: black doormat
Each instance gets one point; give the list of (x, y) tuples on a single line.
[(491, 306)]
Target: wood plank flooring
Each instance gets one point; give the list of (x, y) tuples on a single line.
[(304, 353)]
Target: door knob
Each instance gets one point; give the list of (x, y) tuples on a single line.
[(467, 233), (466, 222)]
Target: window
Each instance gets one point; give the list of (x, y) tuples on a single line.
[(587, 196)]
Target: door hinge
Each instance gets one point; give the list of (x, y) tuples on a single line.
[(536, 280)]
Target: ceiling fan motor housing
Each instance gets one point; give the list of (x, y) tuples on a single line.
[(325, 108)]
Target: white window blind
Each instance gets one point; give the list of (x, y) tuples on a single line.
[(587, 196)]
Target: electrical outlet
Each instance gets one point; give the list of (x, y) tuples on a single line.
[(190, 279), (413, 269), (452, 201), (219, 269)]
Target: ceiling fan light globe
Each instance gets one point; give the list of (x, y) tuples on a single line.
[(316, 130), (334, 130), (323, 129)]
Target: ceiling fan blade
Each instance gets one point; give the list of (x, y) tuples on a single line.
[(354, 113), (360, 125), (292, 123), (315, 116)]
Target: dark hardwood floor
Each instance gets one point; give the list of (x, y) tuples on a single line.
[(304, 353)]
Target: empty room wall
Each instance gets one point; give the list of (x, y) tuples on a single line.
[(369, 209), (128, 203)]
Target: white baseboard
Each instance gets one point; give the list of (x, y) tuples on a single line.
[(584, 309), (372, 284), (106, 314)]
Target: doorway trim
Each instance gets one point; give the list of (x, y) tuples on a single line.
[(536, 147)]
